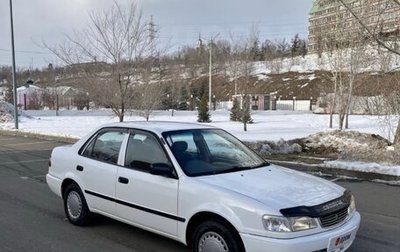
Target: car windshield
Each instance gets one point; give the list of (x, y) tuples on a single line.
[(210, 151)]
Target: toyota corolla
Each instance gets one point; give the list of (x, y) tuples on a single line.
[(201, 186)]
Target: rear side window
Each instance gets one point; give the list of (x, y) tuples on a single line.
[(105, 147)]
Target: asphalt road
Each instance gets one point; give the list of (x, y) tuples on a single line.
[(32, 217)]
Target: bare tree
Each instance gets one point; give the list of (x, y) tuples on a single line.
[(147, 99), (390, 45), (245, 70), (235, 61), (108, 51), (336, 58)]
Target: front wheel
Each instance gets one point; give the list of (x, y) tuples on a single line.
[(214, 236), (75, 206)]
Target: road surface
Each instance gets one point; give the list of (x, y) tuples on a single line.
[(32, 217)]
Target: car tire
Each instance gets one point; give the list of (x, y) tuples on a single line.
[(215, 236), (75, 206)]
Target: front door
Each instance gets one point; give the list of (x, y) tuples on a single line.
[(142, 198)]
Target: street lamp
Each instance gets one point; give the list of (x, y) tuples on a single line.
[(191, 102), (172, 107), (13, 68), (210, 77), (214, 102), (210, 74), (294, 103)]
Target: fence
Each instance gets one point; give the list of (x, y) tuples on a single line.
[(298, 105), (224, 105)]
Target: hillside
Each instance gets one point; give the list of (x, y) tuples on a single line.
[(285, 78)]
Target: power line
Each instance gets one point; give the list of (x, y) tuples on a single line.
[(266, 22), (25, 51), (195, 37)]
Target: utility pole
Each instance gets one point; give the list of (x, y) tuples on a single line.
[(13, 68), (210, 74), (210, 78)]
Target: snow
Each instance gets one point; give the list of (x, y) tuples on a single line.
[(311, 62), (364, 167), (273, 126), (305, 85), (268, 125), (345, 141), (23, 88)]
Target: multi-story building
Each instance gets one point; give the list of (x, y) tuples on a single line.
[(328, 17)]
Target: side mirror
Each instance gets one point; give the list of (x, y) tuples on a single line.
[(162, 169)]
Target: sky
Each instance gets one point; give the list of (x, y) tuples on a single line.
[(179, 21)]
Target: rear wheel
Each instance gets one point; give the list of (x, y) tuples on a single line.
[(75, 206), (214, 236)]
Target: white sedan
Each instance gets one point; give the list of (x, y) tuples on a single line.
[(201, 186)]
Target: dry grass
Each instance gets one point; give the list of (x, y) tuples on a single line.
[(380, 156)]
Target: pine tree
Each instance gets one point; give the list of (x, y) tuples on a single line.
[(303, 48), (235, 111), (203, 113), (255, 52), (166, 100), (184, 98), (295, 47), (246, 117)]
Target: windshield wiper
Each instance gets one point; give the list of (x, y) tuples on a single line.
[(242, 168), (261, 165)]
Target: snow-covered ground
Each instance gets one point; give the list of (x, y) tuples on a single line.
[(268, 125), (364, 167)]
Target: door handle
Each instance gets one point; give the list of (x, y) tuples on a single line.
[(123, 180), (79, 168)]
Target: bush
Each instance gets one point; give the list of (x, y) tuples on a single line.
[(203, 113), (235, 114)]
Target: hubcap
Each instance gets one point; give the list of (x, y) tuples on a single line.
[(212, 242), (74, 205)]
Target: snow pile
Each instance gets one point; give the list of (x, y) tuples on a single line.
[(279, 147), (4, 117), (364, 167), (5, 112), (343, 141), (350, 146)]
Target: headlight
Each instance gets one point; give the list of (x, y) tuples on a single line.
[(302, 223), (276, 224), (352, 207), (292, 224)]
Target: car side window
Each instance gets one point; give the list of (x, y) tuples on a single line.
[(143, 150), (105, 147)]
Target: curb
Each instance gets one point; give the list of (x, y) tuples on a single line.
[(315, 168), (17, 133)]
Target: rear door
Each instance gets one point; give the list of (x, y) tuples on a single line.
[(142, 198), (98, 166)]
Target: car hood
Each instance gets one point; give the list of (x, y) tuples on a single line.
[(277, 187)]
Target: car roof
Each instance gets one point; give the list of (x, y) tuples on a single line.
[(158, 126)]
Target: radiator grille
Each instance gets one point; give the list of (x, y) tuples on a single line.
[(334, 218)]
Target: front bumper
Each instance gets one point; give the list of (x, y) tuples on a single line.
[(315, 242)]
